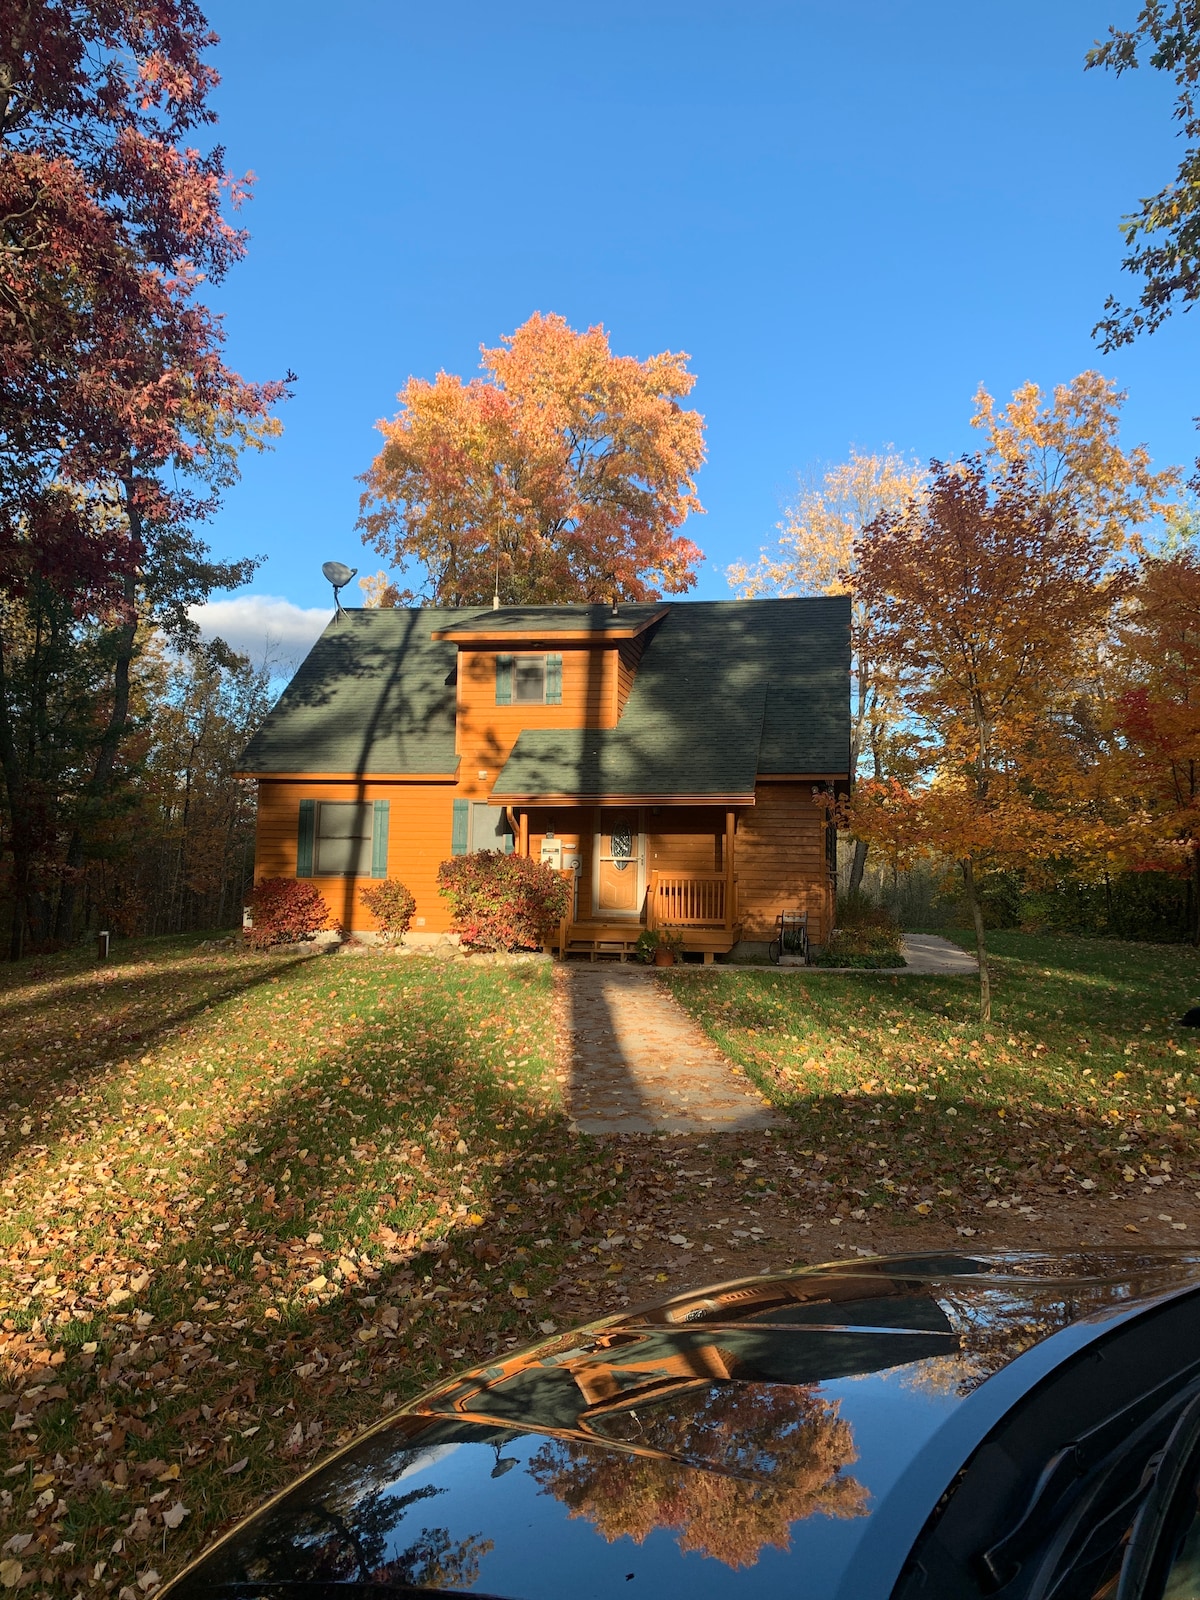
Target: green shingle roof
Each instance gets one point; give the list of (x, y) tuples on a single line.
[(726, 690), (375, 694), (553, 619)]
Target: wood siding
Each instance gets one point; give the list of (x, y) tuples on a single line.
[(419, 824), (486, 732), (779, 853), (779, 858)]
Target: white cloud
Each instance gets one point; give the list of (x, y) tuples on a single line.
[(263, 626)]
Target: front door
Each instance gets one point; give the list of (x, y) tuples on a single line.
[(618, 856)]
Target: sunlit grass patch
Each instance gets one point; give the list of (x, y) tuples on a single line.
[(243, 1200), (1083, 1057)]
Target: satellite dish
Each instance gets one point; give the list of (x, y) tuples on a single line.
[(338, 574)]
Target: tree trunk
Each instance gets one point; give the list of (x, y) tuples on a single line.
[(110, 741), (21, 841), (985, 983), (857, 865)]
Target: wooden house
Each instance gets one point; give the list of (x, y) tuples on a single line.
[(672, 756)]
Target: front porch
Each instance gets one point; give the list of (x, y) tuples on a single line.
[(634, 869), (700, 908)]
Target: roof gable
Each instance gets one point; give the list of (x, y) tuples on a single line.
[(375, 694), (725, 690)]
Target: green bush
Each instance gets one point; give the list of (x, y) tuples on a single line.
[(867, 944), (1132, 905), (503, 902), (392, 904)]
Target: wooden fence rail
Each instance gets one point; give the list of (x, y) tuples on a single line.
[(687, 900)]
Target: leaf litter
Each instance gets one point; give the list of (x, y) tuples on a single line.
[(251, 1201)]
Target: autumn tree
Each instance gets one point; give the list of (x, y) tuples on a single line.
[(119, 421), (985, 603), (1163, 235), (815, 555), (739, 1464), (564, 475), (1070, 447), (1155, 682)]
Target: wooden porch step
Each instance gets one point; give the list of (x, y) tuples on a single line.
[(602, 939), (607, 939)]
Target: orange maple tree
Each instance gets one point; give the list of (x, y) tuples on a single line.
[(563, 475), (987, 603)]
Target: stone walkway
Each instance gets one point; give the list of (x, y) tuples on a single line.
[(638, 1064)]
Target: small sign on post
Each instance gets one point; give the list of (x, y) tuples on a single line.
[(103, 940)]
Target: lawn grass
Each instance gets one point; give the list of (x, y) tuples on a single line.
[(242, 1205), (247, 1202), (1083, 1078)]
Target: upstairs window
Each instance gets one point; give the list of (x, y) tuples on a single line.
[(529, 680)]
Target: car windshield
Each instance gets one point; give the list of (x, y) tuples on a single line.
[(1087, 1489)]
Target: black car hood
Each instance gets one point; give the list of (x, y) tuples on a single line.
[(759, 1434)]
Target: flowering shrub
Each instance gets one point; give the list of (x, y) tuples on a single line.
[(285, 911), (392, 904), (503, 902)]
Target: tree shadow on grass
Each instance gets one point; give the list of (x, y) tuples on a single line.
[(46, 1082), (227, 1330)]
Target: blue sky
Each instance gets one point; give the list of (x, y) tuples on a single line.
[(848, 214)]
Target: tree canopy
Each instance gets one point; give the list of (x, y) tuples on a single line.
[(985, 601), (120, 422), (564, 475), (1163, 235)]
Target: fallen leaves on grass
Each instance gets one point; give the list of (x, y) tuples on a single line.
[(219, 1249)]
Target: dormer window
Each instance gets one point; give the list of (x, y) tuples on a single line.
[(529, 680)]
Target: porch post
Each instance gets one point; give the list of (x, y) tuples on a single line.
[(729, 886), (523, 835)]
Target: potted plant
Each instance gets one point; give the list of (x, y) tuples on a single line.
[(666, 952)]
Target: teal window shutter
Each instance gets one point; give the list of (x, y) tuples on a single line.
[(379, 840), (504, 677), (554, 680), (305, 836), (458, 835)]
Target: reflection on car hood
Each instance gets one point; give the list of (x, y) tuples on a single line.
[(705, 1441)]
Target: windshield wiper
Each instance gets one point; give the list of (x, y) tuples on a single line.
[(1101, 1447)]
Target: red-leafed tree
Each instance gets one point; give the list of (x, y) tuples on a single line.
[(1156, 711), (119, 420), (565, 475)]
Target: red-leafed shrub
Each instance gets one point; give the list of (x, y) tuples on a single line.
[(285, 911), (503, 902), (392, 904)]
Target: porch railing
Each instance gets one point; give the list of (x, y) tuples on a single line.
[(691, 900)]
